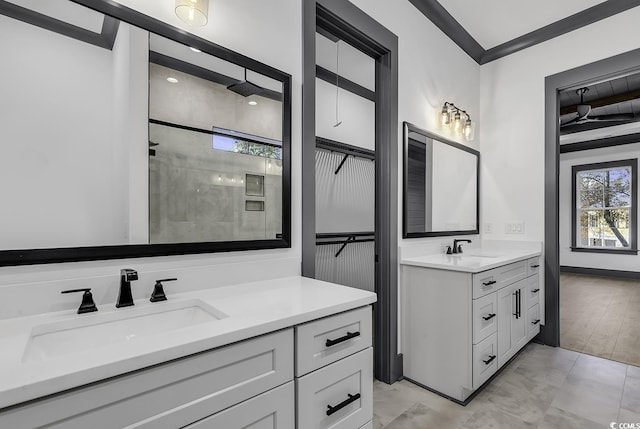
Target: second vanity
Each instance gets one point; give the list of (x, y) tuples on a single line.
[(283, 353), (464, 316)]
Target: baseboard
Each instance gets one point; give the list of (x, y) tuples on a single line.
[(600, 272)]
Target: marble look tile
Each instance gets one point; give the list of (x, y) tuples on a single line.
[(631, 394), (627, 416), (389, 402), (494, 419), (589, 399), (522, 396), (560, 419), (600, 370), (421, 416), (633, 371)]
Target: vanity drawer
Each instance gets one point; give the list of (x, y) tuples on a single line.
[(485, 362), (337, 386), (533, 266), (170, 395), (271, 410), (327, 340), (533, 290), (485, 320), (533, 321), (496, 278)]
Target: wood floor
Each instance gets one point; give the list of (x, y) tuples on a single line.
[(600, 316)]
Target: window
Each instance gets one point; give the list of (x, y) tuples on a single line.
[(604, 207)]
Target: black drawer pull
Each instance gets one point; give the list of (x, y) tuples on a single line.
[(489, 283), (347, 337), (488, 361), (341, 405), (489, 316), (535, 266), (535, 322), (535, 291)]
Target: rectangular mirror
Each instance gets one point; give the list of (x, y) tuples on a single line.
[(441, 185), (120, 142)]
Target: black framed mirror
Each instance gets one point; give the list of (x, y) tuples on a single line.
[(127, 137), (441, 186)]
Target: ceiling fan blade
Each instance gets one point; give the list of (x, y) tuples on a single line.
[(616, 117), (569, 122)]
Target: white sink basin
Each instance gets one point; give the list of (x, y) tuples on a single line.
[(96, 330), (482, 255)]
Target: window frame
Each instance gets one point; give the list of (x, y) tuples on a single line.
[(633, 218)]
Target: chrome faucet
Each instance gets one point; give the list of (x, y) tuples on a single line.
[(458, 248), (125, 299)]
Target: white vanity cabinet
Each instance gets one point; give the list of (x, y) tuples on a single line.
[(334, 371), (255, 383), (460, 327)]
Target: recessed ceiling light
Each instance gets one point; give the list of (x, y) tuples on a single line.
[(172, 80), (253, 103), (195, 49)]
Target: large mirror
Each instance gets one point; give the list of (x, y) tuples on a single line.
[(441, 185), (121, 142)]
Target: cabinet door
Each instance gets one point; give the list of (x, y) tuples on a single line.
[(512, 312), (484, 317), (484, 360), (271, 410), (337, 396), (533, 321)]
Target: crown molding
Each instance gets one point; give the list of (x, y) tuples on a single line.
[(437, 14)]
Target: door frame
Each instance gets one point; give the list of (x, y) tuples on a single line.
[(579, 76), (345, 20)]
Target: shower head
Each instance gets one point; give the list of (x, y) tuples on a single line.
[(245, 88)]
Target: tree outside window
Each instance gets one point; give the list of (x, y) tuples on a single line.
[(604, 196)]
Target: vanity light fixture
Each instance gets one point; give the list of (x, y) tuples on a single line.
[(456, 120), (172, 80), (253, 103), (193, 12)]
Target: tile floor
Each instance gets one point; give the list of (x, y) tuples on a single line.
[(543, 387), (600, 316)]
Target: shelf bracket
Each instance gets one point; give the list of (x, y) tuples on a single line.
[(341, 164)]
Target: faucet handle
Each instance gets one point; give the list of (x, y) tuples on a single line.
[(158, 290), (87, 305), (449, 252)]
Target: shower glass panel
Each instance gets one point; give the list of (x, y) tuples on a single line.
[(197, 193)]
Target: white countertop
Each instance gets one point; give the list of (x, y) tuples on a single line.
[(473, 260), (252, 308)]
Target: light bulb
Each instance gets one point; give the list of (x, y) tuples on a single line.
[(445, 115), (467, 129), (193, 12), (456, 121), (172, 80)]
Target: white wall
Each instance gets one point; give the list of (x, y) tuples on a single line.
[(56, 120), (432, 70), (582, 259), (512, 119)]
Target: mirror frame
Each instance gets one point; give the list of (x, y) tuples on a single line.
[(408, 128), (91, 253)]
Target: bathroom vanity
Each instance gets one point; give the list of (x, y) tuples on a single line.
[(465, 316), (284, 353)]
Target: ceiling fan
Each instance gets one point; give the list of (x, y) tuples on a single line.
[(584, 110)]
